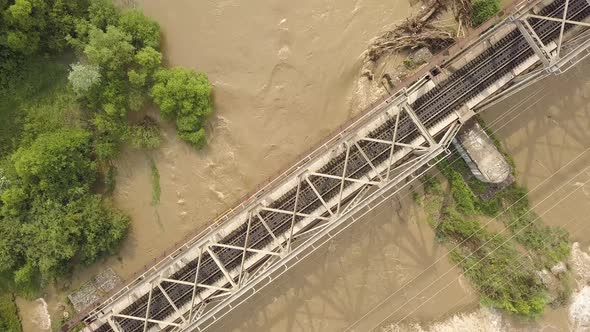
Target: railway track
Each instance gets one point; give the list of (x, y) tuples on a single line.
[(449, 95)]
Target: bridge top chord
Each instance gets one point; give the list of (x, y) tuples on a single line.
[(373, 157)]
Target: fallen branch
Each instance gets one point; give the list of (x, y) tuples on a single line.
[(412, 34)]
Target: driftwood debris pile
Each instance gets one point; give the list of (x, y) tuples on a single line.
[(419, 31)]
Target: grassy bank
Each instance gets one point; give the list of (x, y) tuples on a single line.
[(9, 320), (71, 76), (503, 266)]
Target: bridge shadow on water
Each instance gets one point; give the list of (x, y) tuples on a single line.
[(347, 277), (546, 130)]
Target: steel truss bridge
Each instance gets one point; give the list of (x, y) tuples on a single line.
[(372, 159)]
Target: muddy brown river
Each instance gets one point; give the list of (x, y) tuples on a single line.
[(285, 74)]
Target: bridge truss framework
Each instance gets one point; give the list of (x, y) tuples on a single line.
[(210, 301)]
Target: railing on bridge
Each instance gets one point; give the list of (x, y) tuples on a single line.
[(373, 158)]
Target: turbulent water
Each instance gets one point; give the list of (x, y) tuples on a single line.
[(574, 317), (284, 74), (34, 315)]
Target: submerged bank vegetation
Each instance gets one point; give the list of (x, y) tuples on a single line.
[(509, 268), (424, 30), (71, 75)]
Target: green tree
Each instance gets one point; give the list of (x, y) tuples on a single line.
[(102, 227), (51, 237), (111, 50), (27, 20), (9, 320), (147, 61), (10, 244), (26, 280), (145, 32), (184, 94), (63, 18), (102, 13), (57, 164)]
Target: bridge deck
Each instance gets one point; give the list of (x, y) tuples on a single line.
[(372, 158)]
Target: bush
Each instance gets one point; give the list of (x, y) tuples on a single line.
[(489, 259), (111, 50), (56, 164), (461, 193), (146, 135), (156, 190), (185, 95), (484, 10), (102, 227), (144, 31), (489, 262)]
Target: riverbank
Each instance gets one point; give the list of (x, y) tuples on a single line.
[(293, 75), (287, 63)]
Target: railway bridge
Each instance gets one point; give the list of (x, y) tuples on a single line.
[(373, 158)]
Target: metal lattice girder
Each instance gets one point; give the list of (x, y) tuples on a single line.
[(552, 58), (208, 276), (318, 235), (205, 296)]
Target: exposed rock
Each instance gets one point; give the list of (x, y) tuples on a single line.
[(580, 310), (422, 55), (559, 268)]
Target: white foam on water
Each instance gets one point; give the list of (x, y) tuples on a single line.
[(481, 320), (42, 319), (489, 320), (580, 310), (580, 264)]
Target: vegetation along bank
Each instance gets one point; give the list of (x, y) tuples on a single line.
[(72, 73)]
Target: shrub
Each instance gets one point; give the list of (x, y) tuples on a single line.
[(57, 163), (461, 193), (484, 10), (146, 135)]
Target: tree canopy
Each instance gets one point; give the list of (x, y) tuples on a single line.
[(184, 94), (66, 127)]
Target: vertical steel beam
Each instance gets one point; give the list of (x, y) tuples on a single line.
[(319, 196), (268, 229), (113, 325), (147, 311), (529, 35), (170, 301), (406, 107), (341, 190), (368, 160), (190, 314), (245, 249), (393, 139), (221, 267), (290, 239), (562, 28)]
